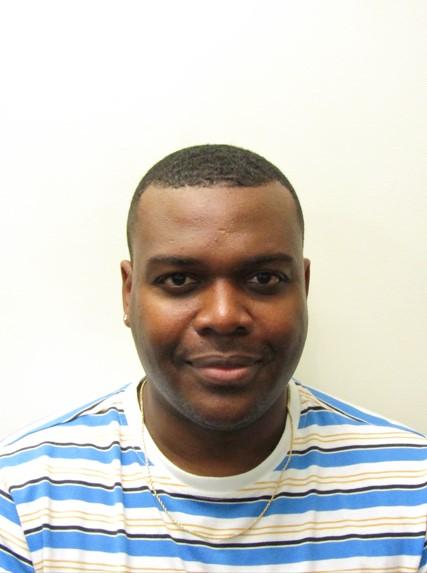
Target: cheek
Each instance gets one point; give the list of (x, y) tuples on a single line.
[(285, 325), (158, 322)]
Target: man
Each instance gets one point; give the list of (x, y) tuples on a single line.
[(218, 461)]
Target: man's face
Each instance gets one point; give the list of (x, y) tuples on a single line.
[(216, 299)]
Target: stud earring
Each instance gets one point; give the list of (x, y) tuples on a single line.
[(125, 318)]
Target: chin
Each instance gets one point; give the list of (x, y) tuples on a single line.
[(221, 425), (221, 422)]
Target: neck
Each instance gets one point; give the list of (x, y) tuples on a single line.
[(208, 452)]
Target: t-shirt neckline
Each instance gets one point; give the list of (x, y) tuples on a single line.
[(212, 484)]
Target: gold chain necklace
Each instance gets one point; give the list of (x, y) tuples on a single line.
[(180, 525)]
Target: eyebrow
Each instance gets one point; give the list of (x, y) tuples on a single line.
[(191, 261)]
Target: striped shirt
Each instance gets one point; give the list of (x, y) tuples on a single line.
[(74, 497)]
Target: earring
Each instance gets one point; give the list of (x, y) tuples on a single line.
[(125, 318)]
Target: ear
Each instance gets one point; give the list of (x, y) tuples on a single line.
[(126, 270), (307, 264)]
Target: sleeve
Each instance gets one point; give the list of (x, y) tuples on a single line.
[(14, 553)]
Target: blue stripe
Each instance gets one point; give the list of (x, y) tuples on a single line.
[(238, 556), (103, 419), (10, 563), (76, 492), (111, 453), (332, 502), (8, 510), (325, 418), (298, 461), (356, 456), (283, 504)]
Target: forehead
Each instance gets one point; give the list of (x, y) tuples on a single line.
[(202, 221)]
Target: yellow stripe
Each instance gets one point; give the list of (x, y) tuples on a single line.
[(294, 481), (365, 436), (362, 478), (16, 542), (314, 527), (55, 565)]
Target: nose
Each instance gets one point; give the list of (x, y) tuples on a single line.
[(223, 311)]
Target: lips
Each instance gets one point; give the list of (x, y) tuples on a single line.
[(225, 368)]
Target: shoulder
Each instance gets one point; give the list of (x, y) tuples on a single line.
[(83, 431), (318, 406), (328, 424)]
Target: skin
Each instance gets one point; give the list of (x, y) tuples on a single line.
[(216, 301)]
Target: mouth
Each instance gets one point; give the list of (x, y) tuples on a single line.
[(225, 369)]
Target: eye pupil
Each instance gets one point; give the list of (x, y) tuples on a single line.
[(178, 279), (264, 278)]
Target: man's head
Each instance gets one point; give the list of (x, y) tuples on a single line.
[(216, 289), (206, 166)]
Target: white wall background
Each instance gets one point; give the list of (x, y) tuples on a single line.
[(94, 92)]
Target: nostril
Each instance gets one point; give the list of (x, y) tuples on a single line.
[(222, 330)]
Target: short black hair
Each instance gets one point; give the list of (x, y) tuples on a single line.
[(206, 166)]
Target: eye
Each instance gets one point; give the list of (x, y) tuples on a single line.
[(176, 281), (267, 280), (264, 278)]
